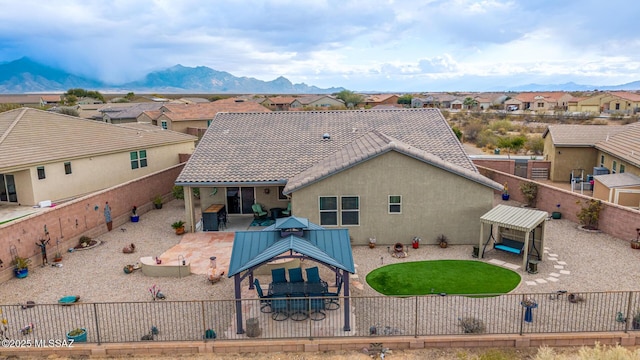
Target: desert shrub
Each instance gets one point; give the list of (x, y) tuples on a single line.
[(589, 214), (535, 145), (616, 116), (445, 113), (530, 192), (630, 120), (458, 132), (486, 138), (472, 325), (472, 130)]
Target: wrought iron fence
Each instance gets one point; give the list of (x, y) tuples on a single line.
[(311, 317)]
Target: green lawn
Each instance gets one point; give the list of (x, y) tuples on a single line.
[(442, 276)]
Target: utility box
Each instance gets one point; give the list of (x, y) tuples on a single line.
[(532, 266), (600, 171)]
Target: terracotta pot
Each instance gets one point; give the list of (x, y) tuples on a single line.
[(635, 244), (372, 245), (180, 230), (443, 244)]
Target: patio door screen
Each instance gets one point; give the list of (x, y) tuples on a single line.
[(8, 188), (240, 199)]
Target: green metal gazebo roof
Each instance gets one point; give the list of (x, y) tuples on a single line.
[(329, 246)]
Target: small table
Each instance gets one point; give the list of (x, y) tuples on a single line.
[(276, 212)]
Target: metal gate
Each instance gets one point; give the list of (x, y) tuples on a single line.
[(521, 168)]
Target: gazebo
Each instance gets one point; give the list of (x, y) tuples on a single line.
[(291, 237), (519, 231)]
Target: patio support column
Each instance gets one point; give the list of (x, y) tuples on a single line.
[(189, 209), (237, 282), (347, 307), (525, 256), (480, 249)]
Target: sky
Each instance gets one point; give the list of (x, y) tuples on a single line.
[(375, 45)]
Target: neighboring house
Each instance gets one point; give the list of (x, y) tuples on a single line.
[(457, 104), (622, 102), (539, 101), (51, 100), (388, 174), (49, 156), (23, 100), (316, 101), (445, 100), (380, 99), (278, 103), (423, 102), (483, 103), (120, 114), (572, 147), (183, 117)]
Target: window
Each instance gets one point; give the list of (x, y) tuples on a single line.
[(281, 196), (163, 124), (350, 210), (540, 105), (621, 168), (138, 159), (617, 106), (329, 210), (41, 174), (395, 204), (601, 160), (209, 122), (613, 167), (67, 168)]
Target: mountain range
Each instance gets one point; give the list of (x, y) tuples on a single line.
[(25, 76)]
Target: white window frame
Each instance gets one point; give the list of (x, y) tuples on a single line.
[(349, 211), (399, 204), (336, 210), (163, 124), (614, 166), (622, 168)]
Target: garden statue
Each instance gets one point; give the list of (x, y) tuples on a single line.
[(107, 215), (43, 250)]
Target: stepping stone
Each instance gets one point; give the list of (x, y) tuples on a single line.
[(566, 272), (511, 266), (354, 276), (554, 274), (558, 267), (358, 285), (496, 261), (531, 283), (546, 248), (552, 259), (553, 279), (541, 281), (562, 263), (546, 251), (553, 255)]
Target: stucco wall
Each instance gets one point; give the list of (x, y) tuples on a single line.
[(608, 163), (434, 201), (70, 220), (99, 172), (566, 159)]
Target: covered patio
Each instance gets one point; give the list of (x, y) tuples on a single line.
[(518, 230), (291, 238)]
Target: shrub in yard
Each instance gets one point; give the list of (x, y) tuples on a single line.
[(589, 214), (530, 192)]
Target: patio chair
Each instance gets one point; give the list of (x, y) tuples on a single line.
[(333, 298), (313, 275), (278, 275), (295, 275), (280, 308), (317, 305), (298, 307), (287, 212), (258, 212), (265, 301)]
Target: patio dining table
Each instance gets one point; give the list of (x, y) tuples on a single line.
[(289, 288)]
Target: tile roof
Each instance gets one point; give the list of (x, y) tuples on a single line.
[(20, 99), (130, 112), (580, 135), (553, 96), (618, 180), (281, 100), (200, 111), (367, 147), (275, 146), (30, 136), (305, 100), (626, 95), (379, 97), (624, 145)]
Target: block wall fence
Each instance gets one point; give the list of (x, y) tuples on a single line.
[(617, 221), (82, 216)]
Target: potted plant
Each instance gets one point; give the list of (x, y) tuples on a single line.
[(635, 243), (134, 214), (372, 243), (57, 257), (178, 226), (21, 269), (77, 335), (157, 202), (505, 192), (442, 240), (84, 241), (556, 214)]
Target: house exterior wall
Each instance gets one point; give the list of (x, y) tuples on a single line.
[(95, 173), (608, 163), (183, 125), (565, 159), (434, 201)]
